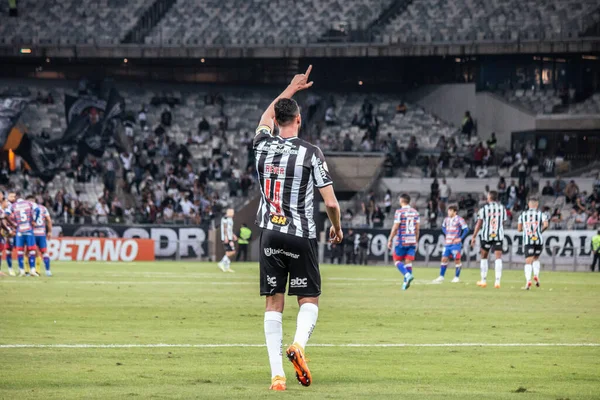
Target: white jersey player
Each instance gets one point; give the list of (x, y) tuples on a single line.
[(228, 239)]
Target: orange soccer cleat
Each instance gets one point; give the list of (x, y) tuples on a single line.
[(278, 384), (295, 354), (482, 284), (497, 285)]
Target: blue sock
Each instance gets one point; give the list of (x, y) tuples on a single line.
[(401, 268), (47, 262), (443, 270), (409, 268), (21, 261), (457, 272), (32, 261), (9, 260)]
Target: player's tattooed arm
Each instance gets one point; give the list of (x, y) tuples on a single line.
[(299, 82)]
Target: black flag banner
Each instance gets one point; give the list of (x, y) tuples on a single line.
[(11, 107), (93, 124)]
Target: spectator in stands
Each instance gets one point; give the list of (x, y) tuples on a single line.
[(12, 8), (401, 108), (347, 218), (444, 192), (101, 211), (596, 185), (245, 184), (559, 186), (512, 191), (203, 125), (507, 161), (522, 172), (556, 219), (548, 190), (478, 155), (366, 144), (571, 192), (142, 118), (522, 193), (492, 142), (348, 246), (367, 112), (355, 120), (378, 218), (467, 125), (363, 249), (501, 187), (580, 219), (166, 117), (435, 189), (368, 206), (387, 201), (330, 118), (116, 208), (348, 144), (580, 202), (592, 222), (168, 213), (432, 212)]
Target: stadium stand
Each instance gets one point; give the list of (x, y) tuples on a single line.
[(70, 21), (241, 22), (470, 20)]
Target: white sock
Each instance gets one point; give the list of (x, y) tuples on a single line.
[(498, 269), (536, 268), (224, 259), (528, 272), (274, 337), (227, 263), (484, 269), (307, 319)]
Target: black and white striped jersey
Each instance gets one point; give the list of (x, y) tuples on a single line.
[(288, 169), (493, 216), (532, 221), (226, 229)]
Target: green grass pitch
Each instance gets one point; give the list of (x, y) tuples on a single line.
[(196, 304)]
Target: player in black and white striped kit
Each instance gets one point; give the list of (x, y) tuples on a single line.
[(490, 221), (228, 239), (532, 223), (288, 170)]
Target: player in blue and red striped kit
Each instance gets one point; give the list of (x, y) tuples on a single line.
[(42, 230), (456, 230), (404, 238), (22, 217)]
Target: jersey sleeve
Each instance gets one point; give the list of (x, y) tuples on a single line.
[(263, 132), (417, 218), (520, 221), (321, 174), (544, 217), (445, 223), (397, 217), (463, 223), (480, 214)]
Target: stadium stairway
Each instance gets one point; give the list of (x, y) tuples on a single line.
[(149, 19), (395, 8)]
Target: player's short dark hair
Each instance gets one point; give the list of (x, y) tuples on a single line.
[(534, 198), (453, 207), (405, 198), (493, 195), (30, 197), (286, 110)]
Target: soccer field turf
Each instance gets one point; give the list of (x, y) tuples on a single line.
[(189, 303)]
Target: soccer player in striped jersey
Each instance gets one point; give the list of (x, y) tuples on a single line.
[(490, 222), (42, 231), (22, 217), (228, 239), (404, 237), (532, 223), (289, 168), (456, 230)]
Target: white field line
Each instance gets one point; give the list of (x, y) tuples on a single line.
[(241, 345)]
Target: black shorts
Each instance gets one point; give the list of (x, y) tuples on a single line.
[(492, 245), (229, 246), (290, 258), (533, 250)]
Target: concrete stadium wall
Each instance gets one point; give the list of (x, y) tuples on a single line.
[(448, 102), (494, 114)]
